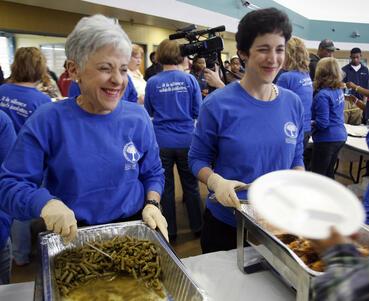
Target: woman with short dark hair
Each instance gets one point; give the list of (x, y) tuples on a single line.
[(173, 98), (248, 128)]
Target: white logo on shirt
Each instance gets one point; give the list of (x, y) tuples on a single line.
[(131, 154), (290, 129)]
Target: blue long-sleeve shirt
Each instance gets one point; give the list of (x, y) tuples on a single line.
[(7, 138), (130, 94), (243, 138), (301, 84), (327, 113), (20, 102), (100, 166), (173, 99)]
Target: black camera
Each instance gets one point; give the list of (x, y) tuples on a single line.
[(209, 48)]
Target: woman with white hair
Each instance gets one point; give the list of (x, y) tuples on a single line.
[(95, 155)]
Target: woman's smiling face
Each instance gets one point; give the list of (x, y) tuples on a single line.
[(266, 57), (103, 79)]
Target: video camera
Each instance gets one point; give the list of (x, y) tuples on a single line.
[(209, 48)]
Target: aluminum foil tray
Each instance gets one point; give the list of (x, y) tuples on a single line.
[(262, 237), (176, 279)]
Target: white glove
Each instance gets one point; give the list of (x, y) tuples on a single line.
[(224, 190), (152, 216), (60, 219)]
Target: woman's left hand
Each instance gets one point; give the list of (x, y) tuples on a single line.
[(152, 216)]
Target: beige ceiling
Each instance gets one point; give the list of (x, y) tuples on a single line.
[(86, 8)]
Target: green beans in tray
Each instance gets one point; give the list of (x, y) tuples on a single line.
[(129, 256)]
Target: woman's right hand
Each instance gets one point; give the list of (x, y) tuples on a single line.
[(60, 219), (224, 190)]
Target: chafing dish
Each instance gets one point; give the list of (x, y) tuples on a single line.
[(176, 280), (262, 237)]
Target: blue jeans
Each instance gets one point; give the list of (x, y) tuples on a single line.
[(5, 263), (21, 240), (191, 195)]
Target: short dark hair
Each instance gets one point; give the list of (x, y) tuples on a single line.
[(169, 53), (152, 56), (260, 22), (355, 50)]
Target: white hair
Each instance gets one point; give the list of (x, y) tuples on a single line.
[(92, 33)]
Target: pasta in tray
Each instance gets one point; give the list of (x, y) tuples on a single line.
[(124, 256)]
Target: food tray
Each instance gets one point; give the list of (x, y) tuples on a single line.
[(284, 261), (176, 279)]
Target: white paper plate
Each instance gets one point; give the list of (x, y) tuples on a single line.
[(306, 204)]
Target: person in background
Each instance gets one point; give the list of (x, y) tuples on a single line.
[(227, 65), (197, 70), (232, 144), (64, 81), (92, 159), (329, 133), (1, 76), (358, 74), (297, 79), (154, 69), (7, 139), (19, 99), (173, 99), (326, 49), (52, 74), (48, 86), (135, 74), (234, 74)]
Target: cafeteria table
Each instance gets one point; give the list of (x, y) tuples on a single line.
[(216, 273)]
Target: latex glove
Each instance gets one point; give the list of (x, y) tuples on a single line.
[(60, 219), (224, 190), (152, 216)]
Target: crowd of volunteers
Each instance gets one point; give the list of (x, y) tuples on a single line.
[(106, 152)]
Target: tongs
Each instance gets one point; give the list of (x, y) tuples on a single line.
[(98, 250), (212, 196)]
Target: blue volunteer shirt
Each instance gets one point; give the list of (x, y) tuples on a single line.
[(130, 94), (327, 113), (360, 77), (7, 138), (244, 138), (301, 84), (20, 102), (173, 98), (100, 166)]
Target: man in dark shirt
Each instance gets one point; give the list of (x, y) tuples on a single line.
[(358, 74), (326, 49), (154, 68)]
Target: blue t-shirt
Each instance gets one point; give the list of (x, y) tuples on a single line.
[(7, 138), (243, 138), (130, 94), (100, 166), (20, 102), (301, 84), (173, 98), (327, 113)]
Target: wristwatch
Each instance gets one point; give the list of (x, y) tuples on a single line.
[(155, 203)]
